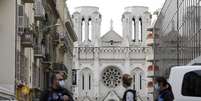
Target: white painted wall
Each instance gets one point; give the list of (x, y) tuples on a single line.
[(7, 43)]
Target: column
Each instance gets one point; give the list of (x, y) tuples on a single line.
[(97, 32), (76, 59), (96, 77), (127, 61), (125, 33), (78, 29)]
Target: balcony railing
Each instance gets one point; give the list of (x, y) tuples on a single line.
[(28, 1), (39, 51), (27, 39)]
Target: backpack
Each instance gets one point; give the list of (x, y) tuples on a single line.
[(132, 91)]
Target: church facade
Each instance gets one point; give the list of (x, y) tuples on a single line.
[(100, 61)]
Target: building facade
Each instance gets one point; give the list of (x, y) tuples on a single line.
[(7, 50), (177, 34), (100, 61), (44, 43)]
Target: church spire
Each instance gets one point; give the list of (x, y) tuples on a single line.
[(111, 24)]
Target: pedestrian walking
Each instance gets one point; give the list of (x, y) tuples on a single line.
[(164, 90), (56, 92), (129, 94)]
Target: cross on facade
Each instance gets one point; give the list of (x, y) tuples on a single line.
[(111, 24)]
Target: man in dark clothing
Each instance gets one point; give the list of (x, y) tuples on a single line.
[(164, 90), (165, 95), (56, 92)]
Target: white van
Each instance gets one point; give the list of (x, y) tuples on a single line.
[(186, 83)]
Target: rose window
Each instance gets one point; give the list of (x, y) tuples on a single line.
[(111, 77)]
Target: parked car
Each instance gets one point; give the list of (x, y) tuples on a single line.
[(186, 83)]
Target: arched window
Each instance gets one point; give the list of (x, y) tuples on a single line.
[(140, 29), (90, 29), (133, 30), (89, 82), (86, 80), (142, 80), (83, 30), (134, 82), (82, 82), (138, 81)]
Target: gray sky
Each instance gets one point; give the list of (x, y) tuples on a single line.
[(113, 9)]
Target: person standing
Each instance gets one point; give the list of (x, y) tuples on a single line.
[(164, 90), (56, 92), (129, 94)]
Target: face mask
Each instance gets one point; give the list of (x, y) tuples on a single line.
[(156, 86), (62, 83)]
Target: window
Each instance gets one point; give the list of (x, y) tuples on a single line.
[(140, 30), (111, 77), (191, 84), (87, 78), (140, 81), (83, 30), (90, 29), (39, 79), (82, 82), (200, 3), (134, 82), (133, 30), (138, 77), (89, 82), (20, 18)]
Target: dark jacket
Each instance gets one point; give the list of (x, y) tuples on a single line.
[(55, 94), (165, 95)]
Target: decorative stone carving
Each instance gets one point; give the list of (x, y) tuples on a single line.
[(111, 77)]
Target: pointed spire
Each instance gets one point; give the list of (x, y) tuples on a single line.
[(111, 24)]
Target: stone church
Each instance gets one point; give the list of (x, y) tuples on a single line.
[(100, 61)]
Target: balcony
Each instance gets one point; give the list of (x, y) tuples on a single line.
[(39, 12), (28, 1), (39, 51), (27, 39)]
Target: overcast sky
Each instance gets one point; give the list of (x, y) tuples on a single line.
[(113, 9)]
